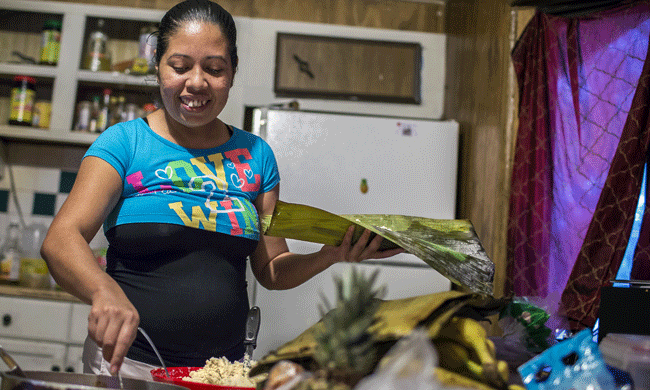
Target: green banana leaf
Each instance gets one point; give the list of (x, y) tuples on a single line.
[(450, 246)]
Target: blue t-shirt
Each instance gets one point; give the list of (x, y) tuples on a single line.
[(179, 237), (211, 189)]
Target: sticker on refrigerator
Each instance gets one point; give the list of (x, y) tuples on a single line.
[(406, 129), (363, 187)]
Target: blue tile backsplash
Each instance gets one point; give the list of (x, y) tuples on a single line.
[(66, 181), (40, 192), (4, 201), (44, 204)]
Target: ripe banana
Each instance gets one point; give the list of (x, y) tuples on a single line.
[(516, 387), (471, 334), (453, 356)]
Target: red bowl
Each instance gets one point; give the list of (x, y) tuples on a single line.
[(176, 375)]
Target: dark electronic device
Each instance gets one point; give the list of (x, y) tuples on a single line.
[(624, 309)]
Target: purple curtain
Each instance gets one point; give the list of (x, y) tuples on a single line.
[(577, 80)]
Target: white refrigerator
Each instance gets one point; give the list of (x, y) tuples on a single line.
[(355, 164)]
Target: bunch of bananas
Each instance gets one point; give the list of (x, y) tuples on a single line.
[(463, 347)]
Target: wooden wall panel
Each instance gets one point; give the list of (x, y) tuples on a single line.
[(479, 97), (334, 67), (389, 14)]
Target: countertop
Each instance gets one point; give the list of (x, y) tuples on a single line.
[(36, 293)]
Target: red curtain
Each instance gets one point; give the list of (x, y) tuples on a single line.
[(584, 87)]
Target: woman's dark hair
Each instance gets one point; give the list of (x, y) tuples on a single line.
[(196, 11)]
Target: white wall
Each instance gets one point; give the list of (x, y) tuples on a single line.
[(254, 80)]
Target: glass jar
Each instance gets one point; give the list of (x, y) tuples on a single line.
[(11, 253), (97, 57), (144, 62), (23, 94), (42, 113), (50, 42)]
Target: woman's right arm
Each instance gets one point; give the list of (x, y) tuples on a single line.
[(113, 320)]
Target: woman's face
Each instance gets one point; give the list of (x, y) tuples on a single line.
[(195, 74)]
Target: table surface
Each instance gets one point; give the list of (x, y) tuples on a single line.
[(36, 293)]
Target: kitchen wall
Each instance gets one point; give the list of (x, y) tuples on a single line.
[(39, 193), (479, 90), (42, 177), (38, 165)]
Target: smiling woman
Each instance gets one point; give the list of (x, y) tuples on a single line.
[(179, 194), (195, 75)]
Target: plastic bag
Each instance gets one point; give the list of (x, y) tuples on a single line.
[(529, 325), (524, 321), (408, 365), (285, 375), (572, 364)]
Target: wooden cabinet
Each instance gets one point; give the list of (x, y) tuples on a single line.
[(344, 68), (42, 334)]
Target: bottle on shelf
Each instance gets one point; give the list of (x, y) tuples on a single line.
[(148, 109), (94, 115), (112, 109), (33, 269), (84, 112), (132, 112), (104, 113), (11, 253), (143, 64), (50, 42), (97, 57), (23, 94), (119, 112)]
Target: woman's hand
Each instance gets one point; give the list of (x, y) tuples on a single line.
[(113, 324), (363, 249)]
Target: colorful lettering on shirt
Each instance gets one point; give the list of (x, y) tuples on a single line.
[(250, 218), (209, 222), (213, 190), (213, 181), (244, 173), (219, 175), (195, 180), (197, 218), (135, 180)]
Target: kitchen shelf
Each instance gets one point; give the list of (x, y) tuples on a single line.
[(66, 83), (9, 70), (117, 78), (10, 133)]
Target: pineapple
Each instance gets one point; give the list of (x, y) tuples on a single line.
[(346, 351)]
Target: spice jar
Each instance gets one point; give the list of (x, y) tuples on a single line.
[(42, 113), (50, 42), (22, 101)]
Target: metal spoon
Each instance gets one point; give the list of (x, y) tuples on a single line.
[(146, 336), (13, 366)]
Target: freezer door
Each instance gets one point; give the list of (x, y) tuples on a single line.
[(355, 164)]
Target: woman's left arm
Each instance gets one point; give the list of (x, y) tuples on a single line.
[(278, 269)]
